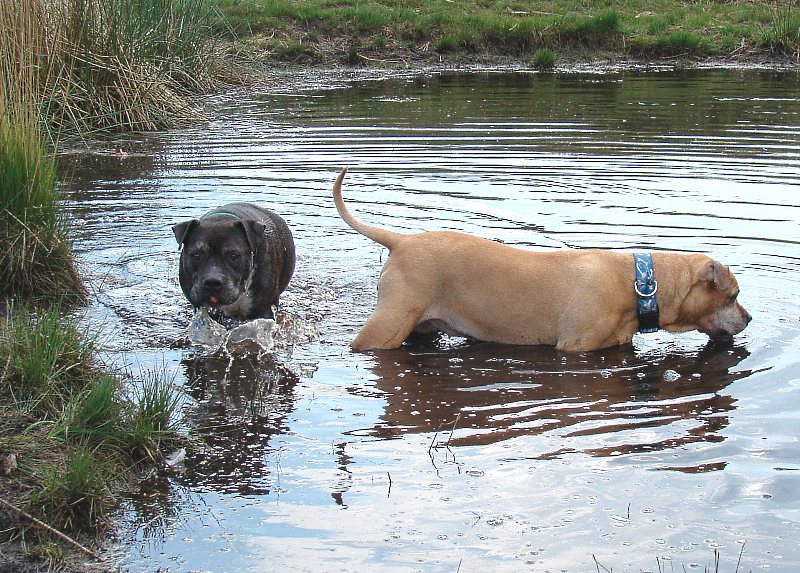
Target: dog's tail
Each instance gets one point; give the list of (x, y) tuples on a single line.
[(383, 236)]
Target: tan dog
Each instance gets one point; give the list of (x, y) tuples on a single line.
[(575, 300)]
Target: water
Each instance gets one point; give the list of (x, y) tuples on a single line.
[(458, 457)]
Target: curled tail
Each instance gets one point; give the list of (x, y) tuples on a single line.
[(384, 237)]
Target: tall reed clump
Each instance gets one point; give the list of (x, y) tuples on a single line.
[(115, 64), (132, 64), (36, 260)]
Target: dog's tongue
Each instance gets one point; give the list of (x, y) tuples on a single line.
[(213, 299)]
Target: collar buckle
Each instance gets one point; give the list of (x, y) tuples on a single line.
[(646, 287)]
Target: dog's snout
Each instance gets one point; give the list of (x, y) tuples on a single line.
[(212, 284)]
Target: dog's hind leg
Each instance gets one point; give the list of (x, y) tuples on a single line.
[(387, 327), (399, 309)]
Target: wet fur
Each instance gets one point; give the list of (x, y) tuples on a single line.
[(240, 254)]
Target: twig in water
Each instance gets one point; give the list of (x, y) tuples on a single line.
[(388, 493), (453, 429), (433, 441), (48, 528), (598, 565), (739, 562)]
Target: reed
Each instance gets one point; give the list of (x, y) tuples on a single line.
[(784, 34), (36, 259), (113, 64)]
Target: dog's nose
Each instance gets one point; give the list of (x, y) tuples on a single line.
[(212, 284), (747, 317)]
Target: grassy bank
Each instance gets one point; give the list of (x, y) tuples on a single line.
[(70, 435), (405, 31)]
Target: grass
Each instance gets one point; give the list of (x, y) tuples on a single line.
[(47, 360), (435, 29), (74, 429), (784, 34), (35, 253), (544, 59), (113, 64)]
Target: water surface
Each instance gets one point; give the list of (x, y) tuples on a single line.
[(461, 456)]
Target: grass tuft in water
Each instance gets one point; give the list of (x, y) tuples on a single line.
[(154, 420), (36, 260), (544, 59)]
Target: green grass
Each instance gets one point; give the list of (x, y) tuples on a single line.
[(154, 418), (46, 361), (36, 260), (544, 59), (77, 494), (76, 428), (114, 64), (784, 34), (331, 31), (679, 42)]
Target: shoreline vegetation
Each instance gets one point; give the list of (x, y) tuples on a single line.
[(526, 33), (74, 434)]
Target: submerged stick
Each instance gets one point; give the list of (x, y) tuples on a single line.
[(48, 528)]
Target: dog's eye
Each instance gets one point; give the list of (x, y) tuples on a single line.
[(234, 256), (196, 256)]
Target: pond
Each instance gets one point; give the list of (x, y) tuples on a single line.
[(666, 454)]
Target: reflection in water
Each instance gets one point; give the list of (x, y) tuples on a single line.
[(601, 403), (241, 401)]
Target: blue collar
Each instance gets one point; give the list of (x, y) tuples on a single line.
[(646, 287)]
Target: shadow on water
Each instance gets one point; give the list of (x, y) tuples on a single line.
[(607, 403)]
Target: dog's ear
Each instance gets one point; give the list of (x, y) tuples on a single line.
[(181, 230), (254, 231), (717, 274)]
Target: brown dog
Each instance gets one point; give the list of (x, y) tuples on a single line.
[(575, 300)]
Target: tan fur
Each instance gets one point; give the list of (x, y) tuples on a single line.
[(575, 300)]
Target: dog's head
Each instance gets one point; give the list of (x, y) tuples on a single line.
[(711, 304), (217, 259)]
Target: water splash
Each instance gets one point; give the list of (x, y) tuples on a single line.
[(253, 336), (259, 336)]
